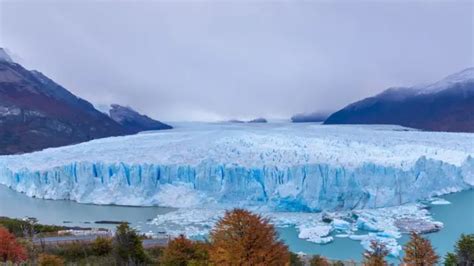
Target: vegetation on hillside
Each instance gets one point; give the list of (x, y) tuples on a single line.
[(239, 238)]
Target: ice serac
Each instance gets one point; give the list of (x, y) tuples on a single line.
[(280, 167)]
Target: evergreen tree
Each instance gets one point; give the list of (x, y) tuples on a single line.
[(419, 252), (465, 250), (450, 259), (128, 248)]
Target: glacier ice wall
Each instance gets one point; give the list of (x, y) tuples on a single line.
[(311, 187), (279, 166)]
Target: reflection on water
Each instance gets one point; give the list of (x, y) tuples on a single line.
[(457, 217)]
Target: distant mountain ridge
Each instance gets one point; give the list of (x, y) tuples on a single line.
[(446, 105), (309, 117), (134, 121)]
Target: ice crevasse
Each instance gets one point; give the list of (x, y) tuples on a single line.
[(281, 167)]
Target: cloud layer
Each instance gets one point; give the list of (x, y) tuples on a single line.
[(212, 60)]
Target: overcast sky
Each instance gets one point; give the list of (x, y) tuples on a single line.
[(213, 60)]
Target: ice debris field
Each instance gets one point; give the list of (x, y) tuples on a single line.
[(272, 168)]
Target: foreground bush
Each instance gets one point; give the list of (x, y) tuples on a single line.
[(10, 249), (102, 246), (182, 251), (243, 238), (418, 251), (50, 260)]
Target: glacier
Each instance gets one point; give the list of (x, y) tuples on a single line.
[(276, 166)]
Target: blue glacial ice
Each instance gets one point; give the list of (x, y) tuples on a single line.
[(278, 166)]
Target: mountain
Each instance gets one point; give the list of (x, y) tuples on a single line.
[(309, 117), (134, 121), (36, 112), (447, 105), (258, 120)]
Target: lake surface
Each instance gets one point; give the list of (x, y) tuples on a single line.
[(458, 218)]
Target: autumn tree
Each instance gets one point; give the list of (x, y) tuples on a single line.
[(376, 255), (244, 238), (418, 251), (10, 249), (182, 251)]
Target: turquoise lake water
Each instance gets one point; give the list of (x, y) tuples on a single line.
[(458, 218)]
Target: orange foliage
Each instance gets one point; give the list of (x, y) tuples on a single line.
[(243, 238), (418, 251), (10, 249)]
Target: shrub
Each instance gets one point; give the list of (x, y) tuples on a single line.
[(102, 246), (71, 251), (28, 227), (376, 255), (127, 246), (50, 260), (418, 251), (317, 260), (243, 238), (182, 251), (10, 249)]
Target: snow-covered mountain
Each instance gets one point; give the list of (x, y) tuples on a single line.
[(4, 56), (278, 166), (447, 105)]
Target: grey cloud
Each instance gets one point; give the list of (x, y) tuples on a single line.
[(228, 59)]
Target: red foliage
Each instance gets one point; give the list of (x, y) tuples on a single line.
[(10, 249)]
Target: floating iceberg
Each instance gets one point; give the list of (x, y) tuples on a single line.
[(279, 166)]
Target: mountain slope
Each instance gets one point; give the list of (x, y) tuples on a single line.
[(309, 117), (37, 113), (447, 105), (134, 121)]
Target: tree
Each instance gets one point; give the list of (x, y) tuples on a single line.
[(376, 255), (50, 260), (182, 251), (318, 261), (465, 250), (243, 238), (10, 249), (295, 260), (450, 259), (418, 251), (128, 246)]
